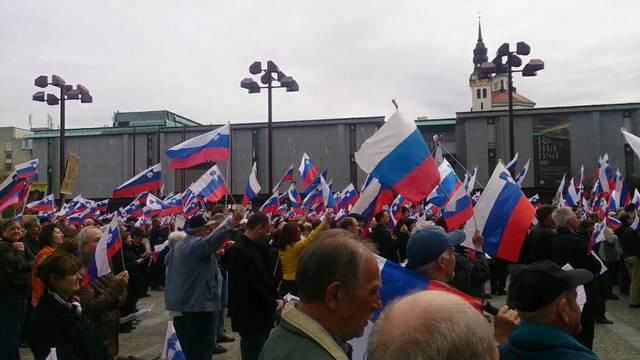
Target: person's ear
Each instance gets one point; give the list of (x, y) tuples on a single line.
[(333, 295), (562, 309)]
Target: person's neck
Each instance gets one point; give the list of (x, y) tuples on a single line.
[(64, 295), (324, 316), (252, 236)]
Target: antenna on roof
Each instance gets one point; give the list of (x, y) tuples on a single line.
[(395, 103)]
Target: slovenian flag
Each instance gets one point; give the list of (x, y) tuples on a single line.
[(148, 180), (271, 205), (313, 199), (372, 200), (172, 349), (458, 209), (503, 216), (154, 207), (572, 199), (108, 245), (327, 196), (46, 204), (10, 190), (101, 206), (134, 209), (211, 185), (519, 178), (211, 146), (174, 205), (348, 197), (253, 187), (511, 166), (397, 282), (307, 170), (27, 170), (449, 183), (398, 157), (288, 176)]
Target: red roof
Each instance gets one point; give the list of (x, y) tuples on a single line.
[(502, 96)]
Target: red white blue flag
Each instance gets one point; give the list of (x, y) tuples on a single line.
[(10, 190), (271, 205), (449, 183), (46, 204), (253, 187), (458, 209), (398, 157), (27, 170), (503, 216), (108, 245), (211, 146), (307, 170), (148, 180), (288, 176)]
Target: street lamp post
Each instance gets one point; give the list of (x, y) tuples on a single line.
[(497, 66), (67, 92), (270, 75)]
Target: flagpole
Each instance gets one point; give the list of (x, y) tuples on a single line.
[(121, 248), (462, 166)]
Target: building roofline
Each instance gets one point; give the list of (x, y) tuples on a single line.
[(553, 109)]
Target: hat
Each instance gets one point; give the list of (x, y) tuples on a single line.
[(197, 221), (428, 244), (539, 284)]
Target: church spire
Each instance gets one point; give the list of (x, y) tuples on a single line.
[(480, 52)]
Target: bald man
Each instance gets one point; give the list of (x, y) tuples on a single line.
[(431, 325)]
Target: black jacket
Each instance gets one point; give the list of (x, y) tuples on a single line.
[(158, 235), (537, 244), (472, 271), (32, 243), (54, 325), (131, 253), (15, 271), (573, 248), (385, 243), (630, 243), (252, 287)]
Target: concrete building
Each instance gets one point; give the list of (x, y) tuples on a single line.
[(17, 148), (109, 156)]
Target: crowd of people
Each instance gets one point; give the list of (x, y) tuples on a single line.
[(304, 287)]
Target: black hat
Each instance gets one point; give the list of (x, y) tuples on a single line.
[(196, 221), (539, 284)]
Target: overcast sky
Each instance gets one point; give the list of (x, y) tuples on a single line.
[(349, 57)]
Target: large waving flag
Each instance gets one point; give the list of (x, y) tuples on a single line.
[(211, 185), (398, 157), (172, 349), (288, 176), (307, 170), (253, 187), (313, 198), (519, 177), (397, 282), (134, 209), (46, 204), (27, 170), (108, 245), (449, 183), (503, 216), (210, 146), (458, 209), (148, 180), (173, 205)]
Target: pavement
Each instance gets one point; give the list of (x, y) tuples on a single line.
[(619, 341)]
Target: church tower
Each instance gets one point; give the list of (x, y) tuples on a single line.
[(479, 83)]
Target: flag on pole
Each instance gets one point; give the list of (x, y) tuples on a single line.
[(174, 205), (288, 176), (271, 205), (437, 154), (632, 140), (348, 197), (154, 207), (399, 158), (46, 204), (327, 195), (10, 190), (253, 187), (470, 180), (572, 198), (503, 216), (458, 209), (211, 185), (372, 200), (27, 170), (449, 183), (147, 180), (307, 170), (558, 198), (519, 178), (108, 245), (511, 166), (210, 146)]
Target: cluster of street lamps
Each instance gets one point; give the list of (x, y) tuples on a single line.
[(270, 75), (499, 66), (67, 92)]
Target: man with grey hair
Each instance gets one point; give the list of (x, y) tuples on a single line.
[(339, 287), (573, 248), (431, 325)]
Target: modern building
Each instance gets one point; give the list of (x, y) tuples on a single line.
[(109, 156), (17, 148)]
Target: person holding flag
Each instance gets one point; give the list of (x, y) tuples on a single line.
[(102, 296)]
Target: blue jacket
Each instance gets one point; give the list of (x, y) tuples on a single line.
[(533, 340), (193, 275)]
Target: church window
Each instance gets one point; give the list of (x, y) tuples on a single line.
[(484, 93), (481, 106), (478, 93)]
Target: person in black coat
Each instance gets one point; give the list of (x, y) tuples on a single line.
[(16, 261), (573, 249), (158, 234), (57, 322), (537, 244), (381, 237), (136, 260)]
